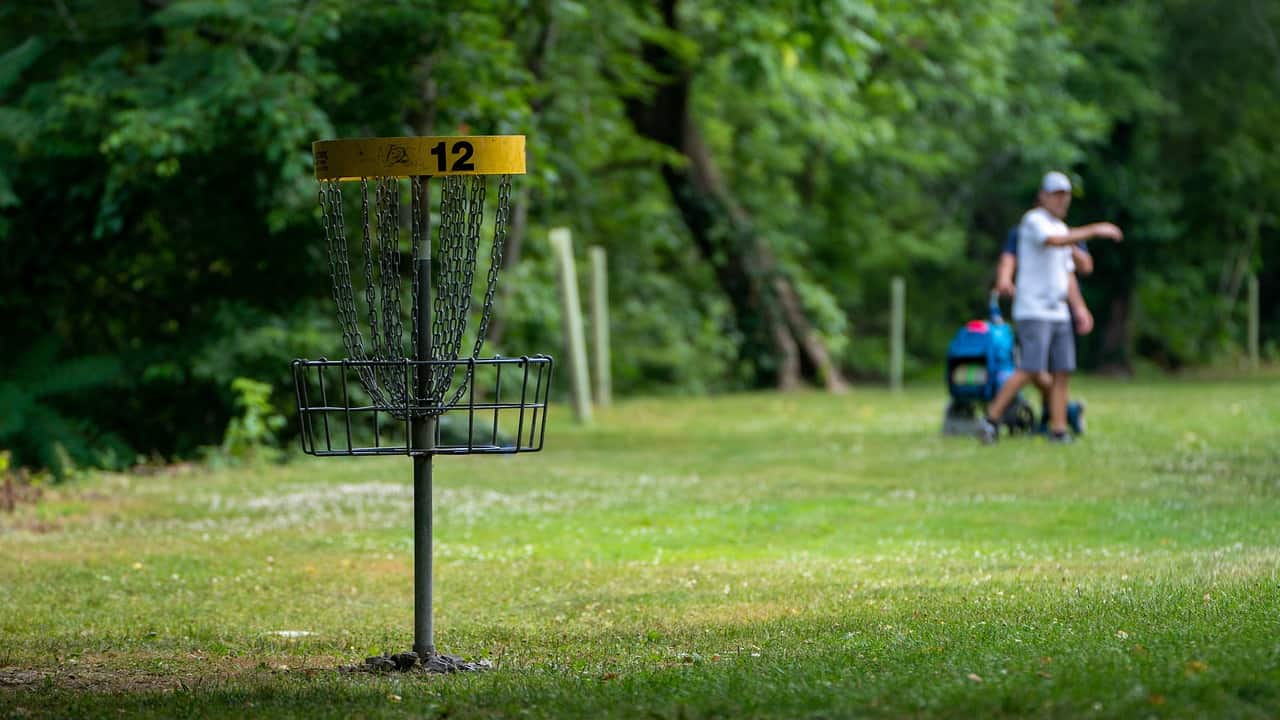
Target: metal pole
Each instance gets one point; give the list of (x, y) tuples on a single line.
[(897, 322), (424, 438), (1253, 321), (600, 326)]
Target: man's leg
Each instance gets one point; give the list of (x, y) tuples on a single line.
[(1016, 381), (1033, 338), (989, 424), (1058, 402), (1044, 383), (1062, 362)]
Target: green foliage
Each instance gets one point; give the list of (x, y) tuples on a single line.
[(157, 206), (252, 434), (34, 424), (160, 187)]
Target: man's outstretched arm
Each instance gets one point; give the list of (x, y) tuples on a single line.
[(1086, 232)]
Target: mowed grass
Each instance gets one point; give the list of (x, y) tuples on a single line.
[(767, 555)]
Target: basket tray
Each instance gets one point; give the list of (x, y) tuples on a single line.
[(501, 407)]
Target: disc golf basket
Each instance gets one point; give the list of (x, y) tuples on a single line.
[(426, 392)]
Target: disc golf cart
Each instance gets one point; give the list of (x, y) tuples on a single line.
[(980, 358)]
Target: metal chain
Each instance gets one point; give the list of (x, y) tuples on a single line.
[(501, 218), (444, 273), (340, 274), (450, 318), (468, 263), (495, 263), (357, 348), (388, 257), (339, 271), (386, 289), (392, 284), (370, 290), (453, 273), (456, 291), (420, 230), (393, 218), (453, 205), (417, 186)]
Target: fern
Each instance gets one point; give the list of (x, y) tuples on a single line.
[(30, 423)]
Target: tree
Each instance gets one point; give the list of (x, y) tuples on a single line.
[(777, 335)]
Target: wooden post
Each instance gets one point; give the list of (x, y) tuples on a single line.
[(897, 321), (571, 322), (9, 502), (1253, 321), (600, 327)]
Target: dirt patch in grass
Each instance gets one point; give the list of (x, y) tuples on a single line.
[(138, 674), (396, 567), (35, 526), (167, 469), (89, 679), (16, 489)]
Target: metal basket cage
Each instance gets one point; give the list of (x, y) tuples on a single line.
[(500, 407)]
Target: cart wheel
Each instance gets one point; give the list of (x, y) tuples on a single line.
[(959, 409), (958, 419), (1020, 418)]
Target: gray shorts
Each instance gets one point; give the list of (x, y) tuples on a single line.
[(1046, 345)]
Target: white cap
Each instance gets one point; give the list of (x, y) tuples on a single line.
[(1055, 182)]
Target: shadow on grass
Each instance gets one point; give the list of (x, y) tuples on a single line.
[(981, 656)]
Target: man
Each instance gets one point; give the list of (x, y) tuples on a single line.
[(1047, 302), (1009, 262), (1005, 287)]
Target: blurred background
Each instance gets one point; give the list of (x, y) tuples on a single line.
[(756, 172)]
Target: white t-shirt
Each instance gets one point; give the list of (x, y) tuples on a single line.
[(1042, 269)]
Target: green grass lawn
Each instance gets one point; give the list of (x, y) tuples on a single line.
[(768, 555)]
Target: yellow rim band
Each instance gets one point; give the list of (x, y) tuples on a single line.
[(409, 156)]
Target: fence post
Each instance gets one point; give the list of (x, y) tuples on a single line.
[(897, 321), (600, 327), (1253, 321), (571, 322)]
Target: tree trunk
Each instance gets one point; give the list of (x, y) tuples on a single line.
[(778, 339), (517, 229), (1117, 337), (516, 232)]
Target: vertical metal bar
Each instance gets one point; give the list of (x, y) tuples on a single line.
[(304, 409), (423, 635), (538, 409), (346, 403), (324, 403), (408, 408), (497, 400), (424, 441), (524, 391), (1253, 321), (546, 366), (471, 404)]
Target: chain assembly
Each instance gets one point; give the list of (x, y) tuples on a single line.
[(451, 269)]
